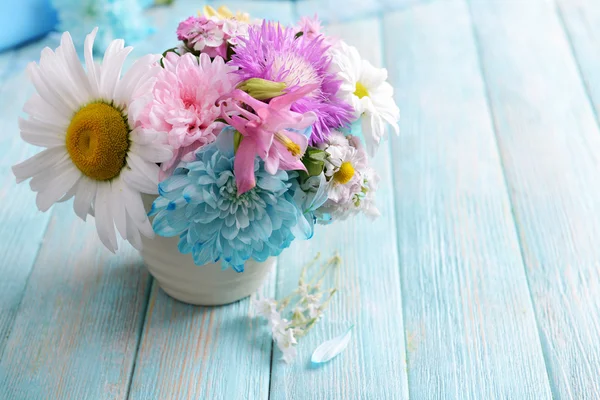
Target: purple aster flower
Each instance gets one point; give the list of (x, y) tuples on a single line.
[(272, 52)]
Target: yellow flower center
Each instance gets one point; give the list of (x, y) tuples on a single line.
[(291, 146), (361, 91), (98, 140), (224, 13), (344, 174)]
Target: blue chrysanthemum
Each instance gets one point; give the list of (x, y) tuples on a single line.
[(273, 52), (200, 204)]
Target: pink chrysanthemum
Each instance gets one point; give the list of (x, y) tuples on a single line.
[(274, 53), (184, 103)]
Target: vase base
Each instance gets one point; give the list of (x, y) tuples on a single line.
[(204, 299), (205, 285)]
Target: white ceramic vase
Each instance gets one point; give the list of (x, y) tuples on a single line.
[(207, 285)]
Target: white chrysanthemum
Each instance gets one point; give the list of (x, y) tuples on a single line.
[(365, 88), (94, 149)]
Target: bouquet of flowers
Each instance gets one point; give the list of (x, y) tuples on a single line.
[(247, 132)]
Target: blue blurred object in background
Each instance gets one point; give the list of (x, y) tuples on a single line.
[(24, 20), (116, 19)]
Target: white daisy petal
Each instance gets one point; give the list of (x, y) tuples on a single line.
[(84, 197), (71, 191), (137, 180), (38, 163), (133, 234), (131, 79), (39, 135), (40, 181), (111, 67), (104, 219), (47, 93), (117, 205), (39, 110), (93, 76), (56, 188), (77, 73), (148, 169), (153, 153), (134, 206), (145, 136), (52, 69)]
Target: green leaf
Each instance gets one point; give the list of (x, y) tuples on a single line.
[(314, 160)]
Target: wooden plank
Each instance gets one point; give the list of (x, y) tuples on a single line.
[(470, 325), (581, 19), (77, 330), (191, 352), (22, 226), (373, 366), (549, 143), (73, 333)]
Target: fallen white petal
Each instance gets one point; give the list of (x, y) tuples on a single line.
[(331, 348)]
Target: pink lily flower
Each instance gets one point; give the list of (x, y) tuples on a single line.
[(267, 133)]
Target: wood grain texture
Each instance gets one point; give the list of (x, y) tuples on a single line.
[(373, 366), (22, 226), (581, 19), (77, 330), (549, 143), (191, 352), (470, 325)]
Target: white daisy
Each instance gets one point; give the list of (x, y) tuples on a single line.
[(95, 150), (365, 88), (352, 183)]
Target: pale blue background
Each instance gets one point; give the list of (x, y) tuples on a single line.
[(479, 281)]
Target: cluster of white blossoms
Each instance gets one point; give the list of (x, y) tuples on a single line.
[(352, 182), (304, 307)]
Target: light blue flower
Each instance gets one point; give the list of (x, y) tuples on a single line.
[(117, 19), (200, 204), (309, 195)]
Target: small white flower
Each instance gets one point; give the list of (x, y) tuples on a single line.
[(278, 325), (303, 290), (289, 354), (314, 310), (265, 307), (285, 341), (365, 88), (313, 298)]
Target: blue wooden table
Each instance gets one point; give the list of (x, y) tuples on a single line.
[(480, 280)]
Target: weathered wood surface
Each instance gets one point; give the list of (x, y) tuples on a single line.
[(479, 281), (470, 326), (549, 143)]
